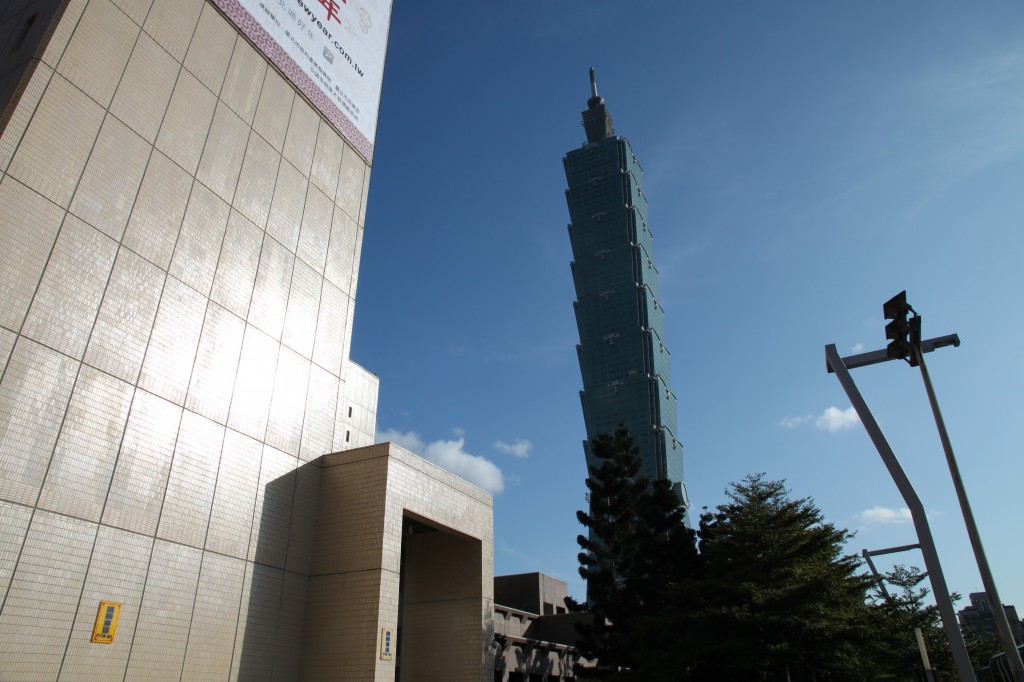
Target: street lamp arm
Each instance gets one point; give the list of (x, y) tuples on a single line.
[(874, 357)]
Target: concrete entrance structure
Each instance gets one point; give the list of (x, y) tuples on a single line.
[(403, 546)]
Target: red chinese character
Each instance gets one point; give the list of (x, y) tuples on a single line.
[(332, 8)]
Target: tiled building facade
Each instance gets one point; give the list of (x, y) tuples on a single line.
[(180, 234)]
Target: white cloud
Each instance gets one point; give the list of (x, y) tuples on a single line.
[(520, 448), (450, 455), (884, 515), (858, 347), (481, 472), (793, 422), (833, 419), (411, 441)]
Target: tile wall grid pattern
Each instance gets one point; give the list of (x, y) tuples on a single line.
[(179, 245)]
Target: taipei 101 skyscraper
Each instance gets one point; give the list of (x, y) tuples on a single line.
[(622, 352)]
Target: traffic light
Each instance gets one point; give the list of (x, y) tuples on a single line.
[(915, 336), (901, 332)]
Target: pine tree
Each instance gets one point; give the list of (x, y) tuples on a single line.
[(778, 599), (637, 546)]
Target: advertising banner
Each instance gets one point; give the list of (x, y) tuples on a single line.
[(331, 50)]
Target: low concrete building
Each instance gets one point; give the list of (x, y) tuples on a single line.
[(534, 634)]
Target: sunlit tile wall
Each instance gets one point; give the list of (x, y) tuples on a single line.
[(179, 245)]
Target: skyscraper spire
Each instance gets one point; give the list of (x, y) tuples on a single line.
[(624, 360), (597, 122)]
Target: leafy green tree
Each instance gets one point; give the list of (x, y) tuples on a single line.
[(771, 595), (981, 647), (907, 607), (777, 598), (637, 545), (893, 620)]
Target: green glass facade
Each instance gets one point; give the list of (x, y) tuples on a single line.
[(624, 360)]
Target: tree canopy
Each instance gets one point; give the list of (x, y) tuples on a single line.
[(896, 612), (769, 595), (905, 606), (763, 589), (778, 597)]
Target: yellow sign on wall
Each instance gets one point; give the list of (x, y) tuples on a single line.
[(106, 622), (387, 639)]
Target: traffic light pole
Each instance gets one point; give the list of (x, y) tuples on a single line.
[(924, 534), (1002, 625)]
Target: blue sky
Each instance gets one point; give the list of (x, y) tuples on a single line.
[(804, 161)]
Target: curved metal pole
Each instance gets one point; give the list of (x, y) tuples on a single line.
[(961, 658), (1002, 625)]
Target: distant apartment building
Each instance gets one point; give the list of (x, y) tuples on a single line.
[(979, 617)]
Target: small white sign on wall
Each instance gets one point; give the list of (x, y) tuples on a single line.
[(387, 639)]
